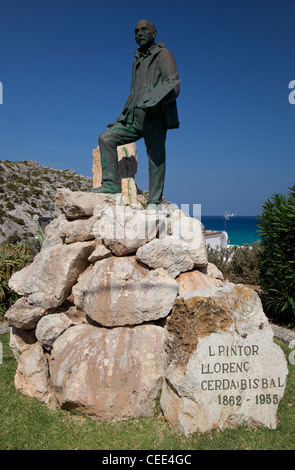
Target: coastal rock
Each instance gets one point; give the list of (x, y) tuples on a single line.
[(108, 374), (219, 375), (47, 281), (120, 291)]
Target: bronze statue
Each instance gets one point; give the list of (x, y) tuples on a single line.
[(149, 111)]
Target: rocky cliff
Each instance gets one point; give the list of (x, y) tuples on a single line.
[(27, 192)]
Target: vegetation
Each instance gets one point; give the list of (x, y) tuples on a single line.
[(238, 264), (25, 186), (277, 258), (12, 259), (269, 263)]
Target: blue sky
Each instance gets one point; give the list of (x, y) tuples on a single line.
[(65, 67)]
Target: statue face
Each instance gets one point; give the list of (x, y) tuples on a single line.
[(145, 33)]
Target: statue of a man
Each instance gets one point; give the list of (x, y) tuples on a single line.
[(149, 111)]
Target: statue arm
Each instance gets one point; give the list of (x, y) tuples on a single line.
[(168, 70)]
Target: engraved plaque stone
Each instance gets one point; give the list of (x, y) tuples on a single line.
[(225, 370)]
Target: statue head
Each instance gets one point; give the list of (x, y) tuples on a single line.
[(145, 33)]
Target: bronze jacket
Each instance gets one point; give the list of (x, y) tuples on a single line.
[(149, 73)]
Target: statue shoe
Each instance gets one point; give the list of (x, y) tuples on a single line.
[(110, 188)]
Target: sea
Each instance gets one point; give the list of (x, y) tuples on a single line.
[(241, 230)]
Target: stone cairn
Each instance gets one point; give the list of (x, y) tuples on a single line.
[(121, 306)]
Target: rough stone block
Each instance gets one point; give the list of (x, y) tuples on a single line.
[(107, 374), (225, 369), (47, 281), (120, 291)]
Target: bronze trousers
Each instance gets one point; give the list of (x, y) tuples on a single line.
[(148, 125)]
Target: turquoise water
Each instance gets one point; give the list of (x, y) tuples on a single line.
[(240, 229)]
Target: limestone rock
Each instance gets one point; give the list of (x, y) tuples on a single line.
[(107, 374), (21, 340), (96, 168), (79, 230), (190, 230), (120, 291), (47, 281), (51, 327), (24, 315), (75, 315), (32, 376), (20, 202), (212, 271), (78, 204), (54, 234), (100, 252), (127, 158), (124, 229), (195, 280), (220, 373), (169, 253)]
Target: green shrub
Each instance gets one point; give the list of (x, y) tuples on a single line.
[(13, 239), (12, 259), (17, 220), (277, 259), (46, 178), (12, 187), (20, 179), (239, 264), (10, 206)]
